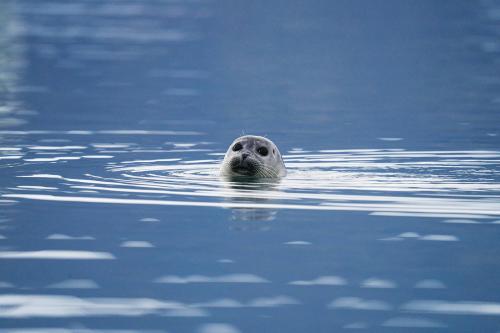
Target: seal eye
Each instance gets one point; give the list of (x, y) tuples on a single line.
[(237, 147), (263, 151)]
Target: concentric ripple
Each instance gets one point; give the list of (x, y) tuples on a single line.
[(393, 182)]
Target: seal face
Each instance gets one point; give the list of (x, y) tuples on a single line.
[(253, 156)]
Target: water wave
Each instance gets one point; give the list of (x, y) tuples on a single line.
[(393, 182)]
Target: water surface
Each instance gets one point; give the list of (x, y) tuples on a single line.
[(115, 116)]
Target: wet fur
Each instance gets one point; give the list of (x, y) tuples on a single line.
[(255, 166)]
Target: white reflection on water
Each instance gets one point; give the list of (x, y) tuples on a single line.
[(298, 242), (458, 186), (440, 238), (53, 159), (149, 220), (26, 306), (56, 254), (217, 328), (330, 280), (409, 235), (12, 157), (378, 283), (225, 261), (355, 303), (138, 244), (415, 236), (231, 278), (270, 302), (453, 308), (461, 221), (27, 187), (67, 237), (57, 147)]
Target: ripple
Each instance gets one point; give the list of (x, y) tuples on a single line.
[(440, 238), (67, 237), (457, 186), (60, 306), (218, 328), (56, 254), (231, 278), (298, 242), (453, 308), (355, 303), (321, 281), (271, 302), (378, 283), (137, 244)]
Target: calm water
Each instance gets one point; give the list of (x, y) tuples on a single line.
[(114, 116)]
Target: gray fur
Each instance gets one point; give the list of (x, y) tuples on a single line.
[(248, 162)]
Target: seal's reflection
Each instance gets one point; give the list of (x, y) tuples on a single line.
[(248, 191)]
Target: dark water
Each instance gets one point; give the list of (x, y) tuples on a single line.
[(114, 116)]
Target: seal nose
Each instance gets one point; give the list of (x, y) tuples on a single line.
[(244, 156)]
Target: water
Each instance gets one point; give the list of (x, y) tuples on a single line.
[(114, 117)]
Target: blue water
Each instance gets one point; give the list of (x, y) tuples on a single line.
[(114, 117)]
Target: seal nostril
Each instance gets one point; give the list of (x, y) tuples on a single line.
[(244, 155)]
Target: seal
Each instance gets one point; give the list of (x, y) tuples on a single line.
[(254, 157)]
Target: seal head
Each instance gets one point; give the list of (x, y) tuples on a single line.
[(254, 157)]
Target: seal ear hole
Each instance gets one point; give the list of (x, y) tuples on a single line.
[(237, 146), (274, 152), (263, 151)]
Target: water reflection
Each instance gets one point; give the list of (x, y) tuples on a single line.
[(458, 188), (137, 244), (416, 236), (67, 237), (378, 283), (356, 303), (251, 191), (57, 254), (61, 306), (232, 278), (218, 328), (321, 281), (453, 308), (12, 64)]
